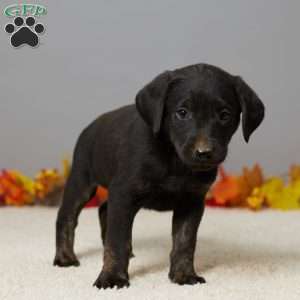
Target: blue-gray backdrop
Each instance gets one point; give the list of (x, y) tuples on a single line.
[(95, 55)]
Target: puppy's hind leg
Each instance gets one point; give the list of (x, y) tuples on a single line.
[(102, 211), (77, 193)]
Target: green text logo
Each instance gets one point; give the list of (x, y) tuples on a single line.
[(15, 10)]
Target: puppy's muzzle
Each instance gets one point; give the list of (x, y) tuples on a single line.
[(203, 151), (203, 154)]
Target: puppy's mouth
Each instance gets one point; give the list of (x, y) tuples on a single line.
[(199, 166), (203, 167), (187, 156)]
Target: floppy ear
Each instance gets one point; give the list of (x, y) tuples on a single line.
[(150, 100), (253, 109)]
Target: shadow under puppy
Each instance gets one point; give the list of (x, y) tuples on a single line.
[(162, 154)]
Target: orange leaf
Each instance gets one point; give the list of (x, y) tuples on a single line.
[(226, 189)]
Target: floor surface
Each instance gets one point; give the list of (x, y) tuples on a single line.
[(241, 254)]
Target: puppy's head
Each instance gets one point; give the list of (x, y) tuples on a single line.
[(198, 108)]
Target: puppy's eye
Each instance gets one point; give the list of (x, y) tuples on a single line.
[(225, 116), (182, 114)]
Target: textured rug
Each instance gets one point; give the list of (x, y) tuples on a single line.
[(241, 254)]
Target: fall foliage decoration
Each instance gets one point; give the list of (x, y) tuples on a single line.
[(250, 189), (17, 189)]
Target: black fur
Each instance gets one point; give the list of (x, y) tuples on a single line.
[(162, 154)]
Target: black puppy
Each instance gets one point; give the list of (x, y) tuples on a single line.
[(162, 154)]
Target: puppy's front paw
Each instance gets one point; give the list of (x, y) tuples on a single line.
[(65, 259), (110, 280), (182, 278)]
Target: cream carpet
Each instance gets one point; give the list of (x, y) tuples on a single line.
[(241, 254)]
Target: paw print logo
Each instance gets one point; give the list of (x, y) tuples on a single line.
[(24, 32)]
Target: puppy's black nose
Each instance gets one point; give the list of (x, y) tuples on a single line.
[(203, 153)]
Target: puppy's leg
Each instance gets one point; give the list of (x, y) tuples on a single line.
[(186, 219), (76, 194), (102, 211), (117, 248)]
